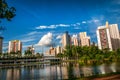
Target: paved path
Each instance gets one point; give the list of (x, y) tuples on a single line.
[(113, 77)]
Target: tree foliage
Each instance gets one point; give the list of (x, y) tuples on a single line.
[(6, 12), (89, 53)]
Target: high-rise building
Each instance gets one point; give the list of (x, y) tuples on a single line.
[(51, 51), (75, 42), (58, 49), (1, 44), (14, 46), (66, 40), (84, 39), (108, 37)]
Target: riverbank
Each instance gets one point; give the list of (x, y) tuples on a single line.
[(110, 76)]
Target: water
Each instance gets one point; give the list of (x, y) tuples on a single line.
[(55, 72)]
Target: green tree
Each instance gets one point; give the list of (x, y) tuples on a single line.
[(28, 53), (38, 55), (68, 51), (6, 12)]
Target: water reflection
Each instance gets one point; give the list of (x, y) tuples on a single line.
[(56, 72), (113, 67)]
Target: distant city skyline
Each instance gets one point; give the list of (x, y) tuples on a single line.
[(40, 20)]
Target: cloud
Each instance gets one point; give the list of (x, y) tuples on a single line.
[(25, 46), (77, 28), (75, 24), (60, 41), (84, 22), (93, 21), (32, 33), (27, 40), (78, 23), (52, 26), (59, 37), (46, 40), (56, 26), (62, 25), (44, 27)]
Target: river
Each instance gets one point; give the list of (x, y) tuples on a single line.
[(55, 71)]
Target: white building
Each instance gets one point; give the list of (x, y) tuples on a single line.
[(14, 46), (58, 49), (108, 37), (84, 39), (66, 40), (75, 42)]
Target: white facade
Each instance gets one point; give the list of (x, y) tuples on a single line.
[(66, 39), (15, 46), (84, 39), (75, 42), (58, 49), (108, 37)]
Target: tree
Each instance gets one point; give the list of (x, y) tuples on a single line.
[(68, 51), (38, 55), (28, 52), (6, 12)]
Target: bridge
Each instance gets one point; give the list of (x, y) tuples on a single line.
[(24, 61)]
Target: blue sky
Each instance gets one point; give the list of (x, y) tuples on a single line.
[(36, 18)]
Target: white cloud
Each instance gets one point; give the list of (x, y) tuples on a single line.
[(60, 41), (63, 25), (27, 40), (46, 40), (57, 25), (78, 23), (77, 28), (75, 24), (25, 46), (95, 20), (44, 27), (33, 33), (84, 22), (52, 26), (41, 27), (59, 37)]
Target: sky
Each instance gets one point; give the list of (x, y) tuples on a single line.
[(42, 22)]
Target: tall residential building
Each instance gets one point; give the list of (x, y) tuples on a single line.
[(58, 49), (14, 46), (75, 42), (66, 40), (84, 39), (51, 51), (1, 44), (108, 37)]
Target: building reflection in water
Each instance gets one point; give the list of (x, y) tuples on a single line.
[(76, 70), (102, 69), (113, 67), (87, 71), (56, 71), (13, 74)]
